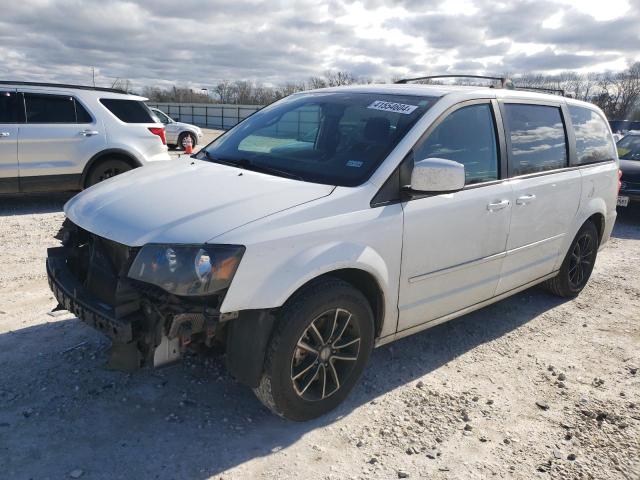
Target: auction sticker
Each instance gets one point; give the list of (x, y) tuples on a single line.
[(392, 107)]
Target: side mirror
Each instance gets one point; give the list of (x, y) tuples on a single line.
[(437, 175)]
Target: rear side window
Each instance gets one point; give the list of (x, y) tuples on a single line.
[(42, 108), (466, 136), (536, 136), (129, 111), (593, 141), (11, 110), (82, 116)]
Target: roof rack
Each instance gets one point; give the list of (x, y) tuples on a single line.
[(558, 91), (504, 81), (61, 85)]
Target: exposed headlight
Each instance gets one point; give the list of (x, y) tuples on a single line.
[(187, 270)]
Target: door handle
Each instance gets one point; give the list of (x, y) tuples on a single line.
[(495, 206), (524, 199), (5, 134), (89, 133)]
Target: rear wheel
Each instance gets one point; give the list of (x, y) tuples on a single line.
[(319, 348), (578, 264), (107, 168), (182, 138)]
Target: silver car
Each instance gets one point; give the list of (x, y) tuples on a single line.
[(66, 137), (178, 132)]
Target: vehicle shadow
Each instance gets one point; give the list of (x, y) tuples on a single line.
[(61, 409), (33, 203), (627, 223)]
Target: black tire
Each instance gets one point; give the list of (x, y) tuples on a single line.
[(107, 168), (182, 137), (578, 264), (353, 324)]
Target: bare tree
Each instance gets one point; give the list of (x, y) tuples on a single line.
[(316, 82), (339, 78)]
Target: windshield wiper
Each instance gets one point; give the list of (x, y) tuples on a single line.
[(223, 161), (247, 164)]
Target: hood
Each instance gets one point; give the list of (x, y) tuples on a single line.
[(630, 170), (184, 201)]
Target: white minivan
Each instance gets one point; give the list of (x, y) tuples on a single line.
[(337, 220), (56, 137)]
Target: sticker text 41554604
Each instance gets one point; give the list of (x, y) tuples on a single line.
[(392, 107)]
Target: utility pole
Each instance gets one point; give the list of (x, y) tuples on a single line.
[(93, 75)]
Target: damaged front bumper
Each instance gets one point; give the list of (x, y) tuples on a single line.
[(148, 326), (74, 297)]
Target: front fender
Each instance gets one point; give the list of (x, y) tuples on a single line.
[(306, 265), (286, 251)]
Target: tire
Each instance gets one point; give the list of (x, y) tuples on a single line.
[(577, 265), (107, 168), (298, 384), (182, 137)]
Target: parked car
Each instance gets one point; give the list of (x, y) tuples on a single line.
[(177, 132), (67, 137), (336, 220), (623, 126), (629, 153)]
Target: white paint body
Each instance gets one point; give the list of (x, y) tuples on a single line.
[(50, 149), (434, 258)]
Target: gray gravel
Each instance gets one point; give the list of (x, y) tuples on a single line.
[(457, 401)]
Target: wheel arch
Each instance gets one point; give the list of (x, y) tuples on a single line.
[(599, 221), (109, 153), (254, 328), (367, 284)]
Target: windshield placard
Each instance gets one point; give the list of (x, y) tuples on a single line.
[(393, 107)]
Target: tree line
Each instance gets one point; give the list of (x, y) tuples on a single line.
[(616, 93)]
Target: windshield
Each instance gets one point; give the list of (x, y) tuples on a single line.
[(331, 138), (629, 147), (161, 115)]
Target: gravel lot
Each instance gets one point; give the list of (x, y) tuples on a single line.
[(532, 387)]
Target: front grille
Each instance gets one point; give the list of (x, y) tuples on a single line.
[(101, 266)]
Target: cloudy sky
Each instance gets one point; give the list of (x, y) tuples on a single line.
[(197, 43)]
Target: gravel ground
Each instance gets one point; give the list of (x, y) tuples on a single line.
[(531, 387)]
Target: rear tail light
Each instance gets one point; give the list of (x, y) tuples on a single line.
[(160, 132), (619, 180)]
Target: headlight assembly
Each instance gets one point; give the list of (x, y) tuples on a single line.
[(187, 270)]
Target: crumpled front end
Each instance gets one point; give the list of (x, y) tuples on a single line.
[(148, 326)]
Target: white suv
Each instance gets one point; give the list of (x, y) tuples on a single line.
[(337, 220), (68, 137)]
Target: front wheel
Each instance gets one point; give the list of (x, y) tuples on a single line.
[(318, 350), (578, 264)]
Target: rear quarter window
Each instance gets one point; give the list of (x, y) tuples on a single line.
[(536, 138), (129, 111), (593, 141)]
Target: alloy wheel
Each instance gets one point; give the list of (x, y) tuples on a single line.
[(325, 355), (581, 261)]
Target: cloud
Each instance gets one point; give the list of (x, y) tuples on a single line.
[(550, 60), (198, 43)]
